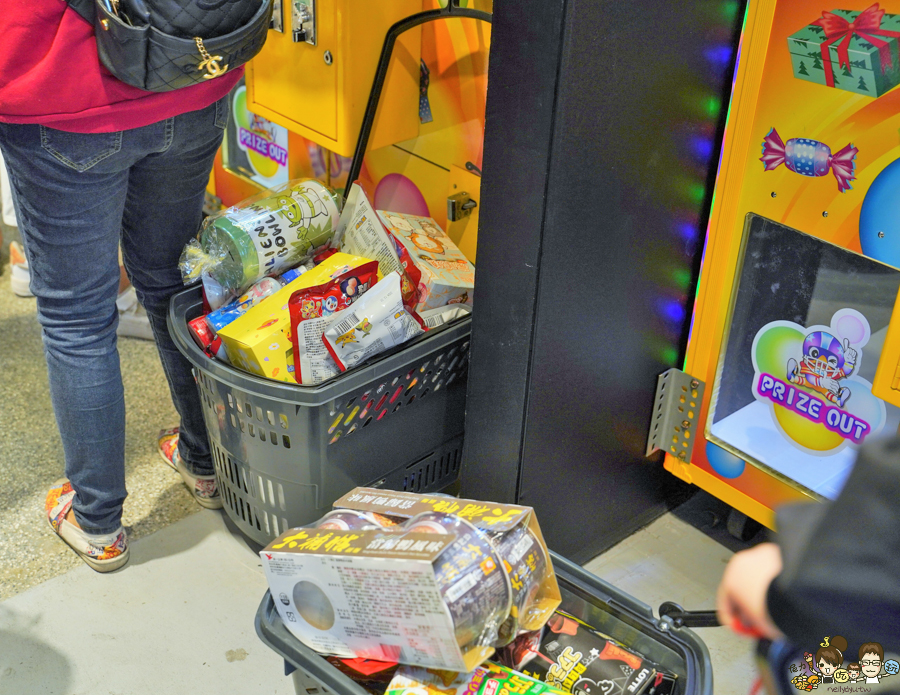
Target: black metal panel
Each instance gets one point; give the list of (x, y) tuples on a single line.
[(615, 240), (525, 46)]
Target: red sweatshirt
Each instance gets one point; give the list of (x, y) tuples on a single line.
[(50, 74)]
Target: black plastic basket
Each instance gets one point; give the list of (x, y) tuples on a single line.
[(284, 453), (613, 612)]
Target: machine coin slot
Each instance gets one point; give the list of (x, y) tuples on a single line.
[(303, 21)]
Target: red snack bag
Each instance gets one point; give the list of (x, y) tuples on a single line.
[(310, 310), (411, 275), (206, 338)]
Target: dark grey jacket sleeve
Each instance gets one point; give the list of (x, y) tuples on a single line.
[(841, 572)]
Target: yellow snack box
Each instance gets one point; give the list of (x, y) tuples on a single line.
[(259, 342)]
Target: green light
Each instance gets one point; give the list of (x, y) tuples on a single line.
[(696, 192), (668, 355), (682, 278), (712, 107), (729, 10)]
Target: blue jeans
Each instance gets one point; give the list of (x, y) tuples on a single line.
[(77, 197)]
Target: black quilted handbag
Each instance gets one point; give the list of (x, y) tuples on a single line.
[(161, 45)]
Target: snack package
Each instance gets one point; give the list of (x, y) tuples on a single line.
[(489, 679), (263, 235), (372, 675), (435, 318), (361, 232), (446, 274), (377, 322), (259, 342), (572, 656), (514, 532), (311, 310), (207, 340), (214, 295), (221, 317), (390, 594)]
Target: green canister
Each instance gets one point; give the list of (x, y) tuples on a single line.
[(264, 235)]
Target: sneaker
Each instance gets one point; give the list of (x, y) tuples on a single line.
[(133, 321), (202, 487), (103, 553), (19, 275)]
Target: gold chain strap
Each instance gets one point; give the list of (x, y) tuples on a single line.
[(209, 63)]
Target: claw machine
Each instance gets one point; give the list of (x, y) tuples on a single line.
[(792, 362)]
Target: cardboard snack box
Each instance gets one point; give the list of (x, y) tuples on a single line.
[(515, 532), (372, 594), (259, 342), (447, 275)]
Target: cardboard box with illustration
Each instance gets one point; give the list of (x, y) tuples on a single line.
[(447, 275), (260, 341)]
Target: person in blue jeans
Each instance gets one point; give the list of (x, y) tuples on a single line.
[(96, 164)]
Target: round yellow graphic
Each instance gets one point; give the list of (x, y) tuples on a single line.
[(841, 675)]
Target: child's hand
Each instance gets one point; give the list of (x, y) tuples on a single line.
[(741, 601)]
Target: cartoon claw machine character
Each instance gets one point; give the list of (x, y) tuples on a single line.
[(824, 363)]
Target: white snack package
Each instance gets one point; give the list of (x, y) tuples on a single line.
[(435, 318), (315, 364), (376, 322), (360, 233), (216, 295)]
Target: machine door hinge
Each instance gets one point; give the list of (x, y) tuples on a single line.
[(277, 22), (676, 413)]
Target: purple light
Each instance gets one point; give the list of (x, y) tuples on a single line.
[(687, 230), (719, 55), (702, 147), (672, 311)]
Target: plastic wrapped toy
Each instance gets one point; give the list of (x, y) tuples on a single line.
[(264, 235)]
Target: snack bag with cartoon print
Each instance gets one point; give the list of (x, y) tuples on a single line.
[(375, 323), (312, 309)]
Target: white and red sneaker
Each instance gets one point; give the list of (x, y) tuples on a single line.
[(203, 487), (103, 553)]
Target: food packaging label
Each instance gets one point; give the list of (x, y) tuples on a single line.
[(490, 679), (376, 322), (572, 656), (371, 594), (446, 274), (221, 317), (513, 529), (312, 310), (259, 342), (361, 232)]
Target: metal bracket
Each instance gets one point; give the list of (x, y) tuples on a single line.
[(303, 21), (676, 414), (277, 23), (459, 205)]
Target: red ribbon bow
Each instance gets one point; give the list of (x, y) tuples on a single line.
[(866, 25)]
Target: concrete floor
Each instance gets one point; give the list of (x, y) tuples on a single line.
[(179, 618)]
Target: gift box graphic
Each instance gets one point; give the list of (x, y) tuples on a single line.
[(850, 50)]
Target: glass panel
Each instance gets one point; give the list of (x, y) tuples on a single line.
[(793, 392)]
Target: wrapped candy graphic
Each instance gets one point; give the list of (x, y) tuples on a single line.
[(810, 158)]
